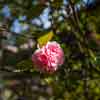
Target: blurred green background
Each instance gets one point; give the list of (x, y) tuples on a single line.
[(75, 24)]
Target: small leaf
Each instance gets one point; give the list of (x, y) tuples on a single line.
[(35, 10), (45, 38), (93, 56), (97, 36), (48, 80), (24, 65), (57, 4)]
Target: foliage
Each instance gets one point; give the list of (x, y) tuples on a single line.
[(75, 25)]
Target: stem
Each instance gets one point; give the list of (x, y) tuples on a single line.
[(75, 16)]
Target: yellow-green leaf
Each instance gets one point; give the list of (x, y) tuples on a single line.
[(98, 36), (48, 80), (45, 38)]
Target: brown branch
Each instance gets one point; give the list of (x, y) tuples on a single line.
[(75, 15)]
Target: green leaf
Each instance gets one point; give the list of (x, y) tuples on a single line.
[(45, 38), (57, 4), (97, 36), (35, 11), (25, 65), (21, 40)]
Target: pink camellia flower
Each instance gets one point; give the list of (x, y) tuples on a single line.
[(49, 57)]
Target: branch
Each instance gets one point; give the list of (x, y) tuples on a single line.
[(75, 15)]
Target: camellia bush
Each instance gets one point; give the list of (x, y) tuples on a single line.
[(49, 50)]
